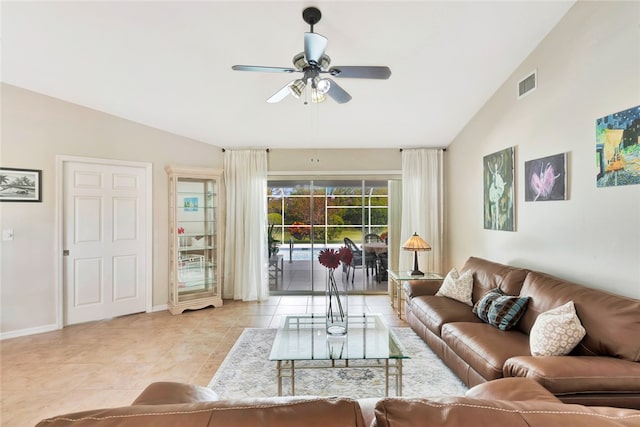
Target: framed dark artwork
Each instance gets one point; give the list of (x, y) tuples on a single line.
[(618, 148), (20, 185), (546, 178), (499, 193)]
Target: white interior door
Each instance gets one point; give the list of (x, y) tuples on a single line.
[(104, 239)]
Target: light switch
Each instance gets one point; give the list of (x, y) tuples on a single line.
[(7, 234)]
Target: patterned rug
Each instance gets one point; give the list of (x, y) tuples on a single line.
[(248, 372)]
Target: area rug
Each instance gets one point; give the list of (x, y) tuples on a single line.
[(248, 372)]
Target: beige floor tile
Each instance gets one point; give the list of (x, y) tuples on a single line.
[(108, 363)]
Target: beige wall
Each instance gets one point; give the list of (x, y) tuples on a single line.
[(588, 67), (347, 161), (37, 128)]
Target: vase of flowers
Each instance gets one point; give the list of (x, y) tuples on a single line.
[(336, 301)]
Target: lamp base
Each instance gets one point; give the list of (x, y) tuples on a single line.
[(415, 271)]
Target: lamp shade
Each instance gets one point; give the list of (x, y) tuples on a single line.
[(416, 243)]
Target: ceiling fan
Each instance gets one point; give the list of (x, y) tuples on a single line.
[(313, 63)]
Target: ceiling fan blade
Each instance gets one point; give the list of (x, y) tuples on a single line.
[(263, 69), (337, 93), (314, 46), (281, 94), (359, 72)]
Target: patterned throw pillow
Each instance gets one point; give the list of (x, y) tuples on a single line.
[(556, 332), (457, 287), (500, 310)]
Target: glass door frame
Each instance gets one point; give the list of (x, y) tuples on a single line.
[(310, 186)]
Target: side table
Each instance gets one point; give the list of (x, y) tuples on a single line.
[(396, 279)]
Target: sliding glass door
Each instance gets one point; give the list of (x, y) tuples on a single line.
[(308, 216)]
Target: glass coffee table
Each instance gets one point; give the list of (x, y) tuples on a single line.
[(304, 338)]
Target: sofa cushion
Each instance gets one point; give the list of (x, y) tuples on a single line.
[(464, 411), (483, 347), (611, 322), (577, 374), (277, 411), (488, 275), (500, 310), (167, 392), (435, 311), (556, 332), (512, 389), (457, 287)]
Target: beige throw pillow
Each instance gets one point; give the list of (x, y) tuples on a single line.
[(457, 287), (556, 332)]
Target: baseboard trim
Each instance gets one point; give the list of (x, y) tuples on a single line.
[(28, 331), (54, 327)]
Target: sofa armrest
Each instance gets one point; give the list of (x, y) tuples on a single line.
[(512, 389), (416, 288), (164, 393), (575, 374)]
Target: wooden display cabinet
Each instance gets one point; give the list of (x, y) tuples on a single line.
[(195, 258)]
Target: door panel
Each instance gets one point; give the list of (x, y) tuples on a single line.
[(104, 230), (88, 282)]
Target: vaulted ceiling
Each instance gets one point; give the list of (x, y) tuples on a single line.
[(168, 65)]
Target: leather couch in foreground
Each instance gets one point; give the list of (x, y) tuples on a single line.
[(509, 402), (602, 370)]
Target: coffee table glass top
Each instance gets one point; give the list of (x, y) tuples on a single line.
[(304, 337)]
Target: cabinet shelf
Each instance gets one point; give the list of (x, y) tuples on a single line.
[(195, 203)]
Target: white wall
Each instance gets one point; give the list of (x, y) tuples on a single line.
[(36, 128), (588, 67)]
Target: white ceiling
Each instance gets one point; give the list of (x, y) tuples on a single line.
[(168, 65)]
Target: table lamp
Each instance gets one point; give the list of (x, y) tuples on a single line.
[(415, 244)]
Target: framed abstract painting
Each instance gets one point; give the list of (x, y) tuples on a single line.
[(499, 192), (546, 178)]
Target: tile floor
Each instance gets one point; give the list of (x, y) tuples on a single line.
[(108, 363)]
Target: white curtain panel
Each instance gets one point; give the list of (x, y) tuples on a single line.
[(423, 207), (245, 247)]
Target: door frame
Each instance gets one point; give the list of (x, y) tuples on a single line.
[(59, 220)]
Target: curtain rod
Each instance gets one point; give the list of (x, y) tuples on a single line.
[(224, 149), (443, 149)]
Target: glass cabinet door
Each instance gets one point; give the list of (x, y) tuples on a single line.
[(194, 217)]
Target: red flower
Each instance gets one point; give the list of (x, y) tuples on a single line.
[(346, 256), (329, 258), (180, 230)]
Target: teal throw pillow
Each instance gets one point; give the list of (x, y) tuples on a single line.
[(500, 310)]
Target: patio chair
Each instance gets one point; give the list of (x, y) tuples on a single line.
[(369, 259), (380, 261)]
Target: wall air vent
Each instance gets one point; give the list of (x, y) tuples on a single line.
[(528, 84)]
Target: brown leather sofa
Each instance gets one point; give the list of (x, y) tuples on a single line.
[(603, 369), (505, 402)]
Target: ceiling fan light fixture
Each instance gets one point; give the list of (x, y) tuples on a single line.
[(297, 87), (323, 86), (325, 61), (299, 62), (317, 96)]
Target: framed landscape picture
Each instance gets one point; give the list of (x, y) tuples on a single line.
[(546, 178), (20, 185), (499, 190)]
